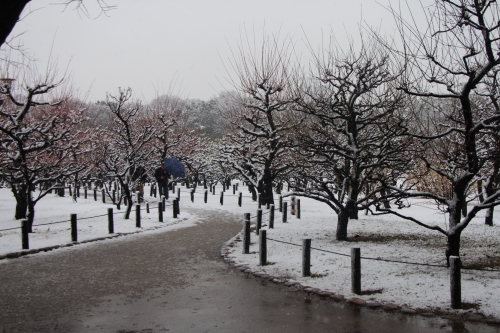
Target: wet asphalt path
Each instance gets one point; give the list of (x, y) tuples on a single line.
[(174, 282)]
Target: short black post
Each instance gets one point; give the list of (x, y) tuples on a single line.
[(111, 225), (166, 192), (281, 204), (103, 197), (259, 220), (234, 189), (262, 248), (259, 201), (85, 192), (271, 217), (213, 190), (147, 207), (246, 234), (174, 208), (95, 194), (240, 197), (74, 232), (192, 195), (292, 206), (173, 187), (179, 194), (151, 190), (154, 190), (160, 212), (298, 209), (177, 207), (356, 270), (455, 282), (78, 191), (25, 235), (205, 198), (222, 198), (306, 257), (70, 192), (285, 210), (138, 216), (163, 202)]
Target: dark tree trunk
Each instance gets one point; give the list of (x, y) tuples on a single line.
[(342, 221), (453, 246), (9, 15), (488, 219), (21, 201), (480, 190)]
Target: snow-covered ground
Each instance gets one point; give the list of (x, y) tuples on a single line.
[(386, 237)]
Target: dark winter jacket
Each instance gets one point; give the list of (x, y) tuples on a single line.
[(161, 175)]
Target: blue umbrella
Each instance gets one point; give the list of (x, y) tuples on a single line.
[(175, 167)]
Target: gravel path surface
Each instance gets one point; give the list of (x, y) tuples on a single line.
[(172, 282)]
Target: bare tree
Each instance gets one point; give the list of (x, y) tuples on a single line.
[(40, 141), (260, 117), (124, 152), (448, 62), (353, 138)]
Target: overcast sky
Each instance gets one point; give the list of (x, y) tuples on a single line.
[(149, 45)]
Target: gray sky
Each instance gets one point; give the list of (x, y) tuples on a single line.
[(149, 45)]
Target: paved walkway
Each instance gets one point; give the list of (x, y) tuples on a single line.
[(173, 282)]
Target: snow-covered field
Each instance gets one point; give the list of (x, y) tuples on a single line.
[(386, 237)]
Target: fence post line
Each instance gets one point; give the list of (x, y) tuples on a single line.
[(222, 198), (455, 282), (163, 202), (205, 198), (78, 190), (271, 217), (178, 207), (259, 202), (103, 196), (151, 190), (213, 190), (85, 192), (69, 188), (147, 207), (246, 234), (259, 221), (178, 194), (25, 241), (298, 209), (306, 257), (262, 248), (74, 232), (160, 212), (356, 270), (240, 197), (281, 204), (111, 226), (285, 210), (95, 194), (192, 196), (234, 189), (137, 215)]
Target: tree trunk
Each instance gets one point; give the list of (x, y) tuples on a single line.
[(453, 246), (21, 201), (342, 221), (488, 219), (480, 190)]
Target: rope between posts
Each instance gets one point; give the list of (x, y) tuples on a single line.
[(91, 217), (36, 225), (10, 229), (380, 259)]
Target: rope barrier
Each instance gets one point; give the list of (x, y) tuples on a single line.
[(10, 229)]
